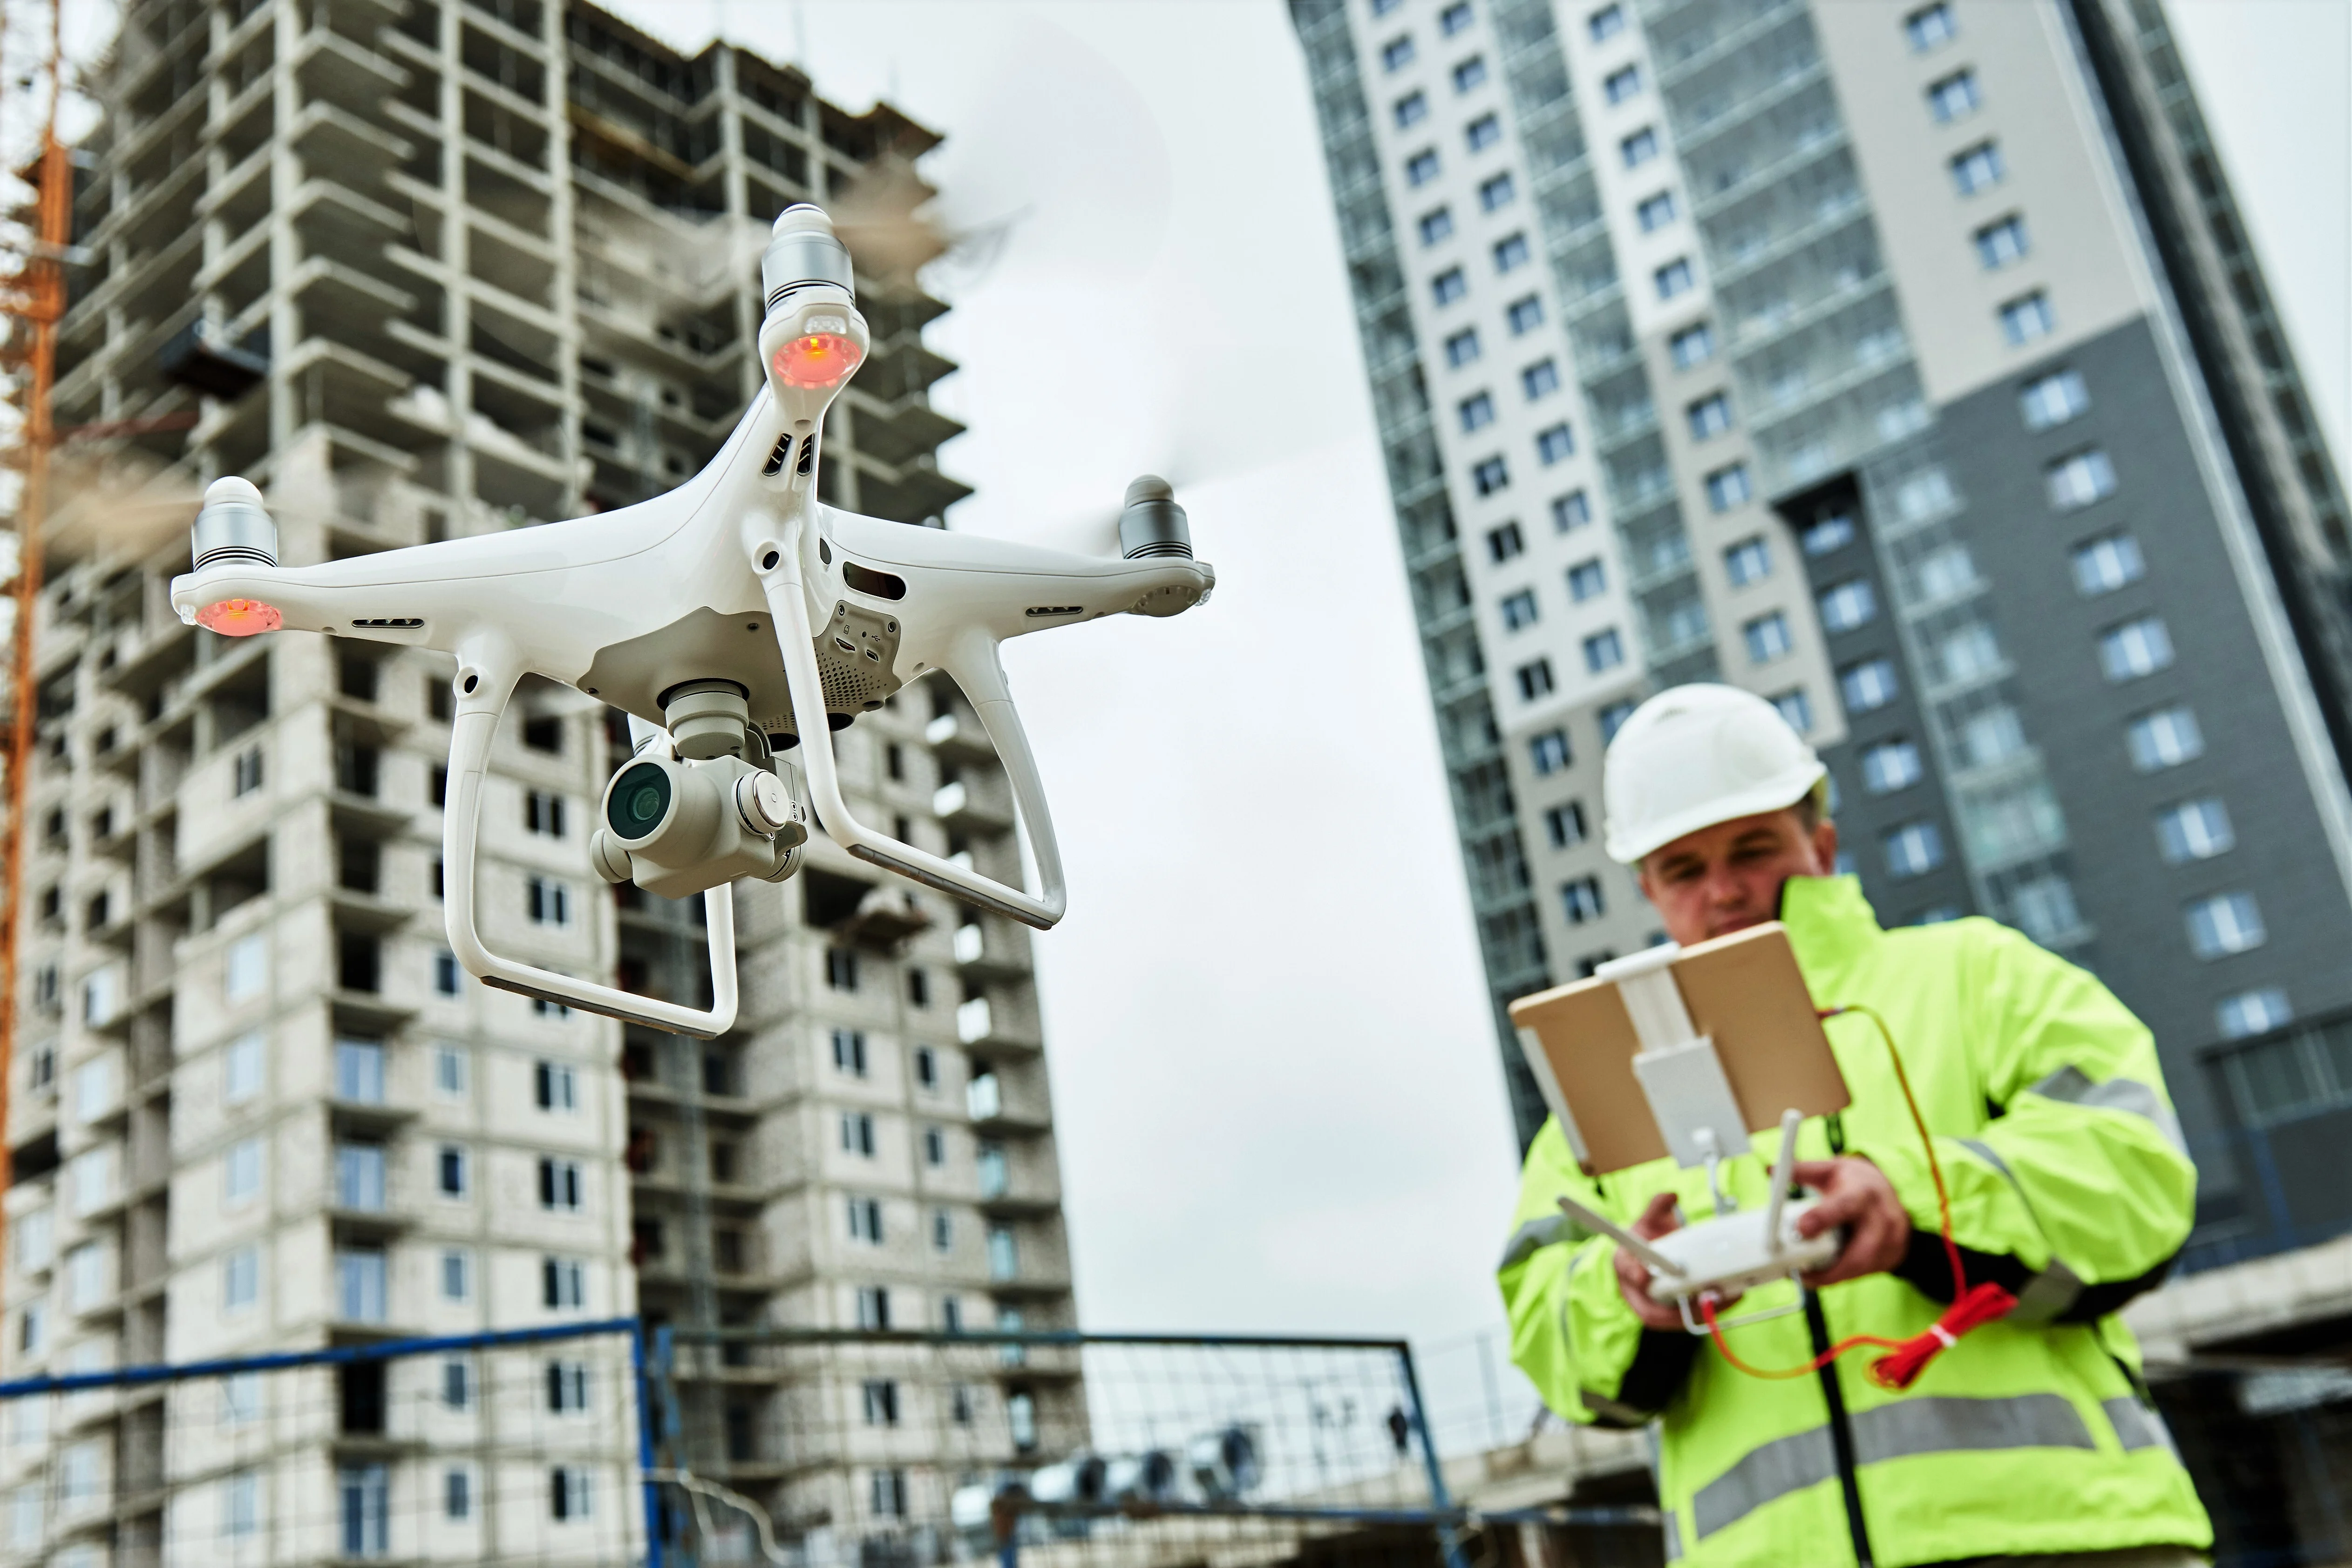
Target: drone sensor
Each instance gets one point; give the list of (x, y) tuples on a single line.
[(239, 617)]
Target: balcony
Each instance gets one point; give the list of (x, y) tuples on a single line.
[(990, 947), (959, 738)]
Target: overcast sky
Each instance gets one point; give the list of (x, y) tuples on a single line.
[(1279, 1102)]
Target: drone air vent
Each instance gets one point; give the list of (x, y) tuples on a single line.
[(775, 463), (389, 622)]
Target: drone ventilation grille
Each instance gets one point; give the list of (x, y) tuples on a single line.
[(847, 687)]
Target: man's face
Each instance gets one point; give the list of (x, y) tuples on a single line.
[(1728, 877)]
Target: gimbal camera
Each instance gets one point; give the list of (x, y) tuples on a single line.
[(733, 618)]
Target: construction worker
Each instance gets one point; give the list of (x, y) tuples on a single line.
[(2031, 1440)]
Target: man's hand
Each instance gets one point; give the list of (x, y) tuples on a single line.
[(1857, 1195), (1634, 1275)]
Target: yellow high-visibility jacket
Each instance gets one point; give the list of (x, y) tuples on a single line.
[(2069, 1185)]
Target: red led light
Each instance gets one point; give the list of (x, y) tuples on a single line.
[(819, 359), (239, 617)]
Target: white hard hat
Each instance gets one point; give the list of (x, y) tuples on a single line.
[(1694, 756)]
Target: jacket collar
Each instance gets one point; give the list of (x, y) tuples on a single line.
[(1830, 923)]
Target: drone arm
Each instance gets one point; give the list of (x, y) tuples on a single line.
[(975, 668), (488, 669)]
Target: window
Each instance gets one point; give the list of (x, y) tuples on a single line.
[(2075, 482), (1727, 487), (241, 1172), (1570, 511), (1534, 680), (247, 968), (1639, 148), (1483, 133), (1796, 710), (1397, 53), (562, 1283), (1490, 475), (849, 1051), (450, 1174), (1613, 716), (359, 1177), (241, 1504), (1750, 560), (1421, 167), (1495, 192), (1461, 347), (555, 1087), (1913, 849), (1504, 542), (1586, 579), (1564, 825), (1476, 412), (360, 1284), (1511, 253), (444, 974), (1454, 18), (544, 813), (1603, 651), (873, 1307), (247, 772), (1889, 766), (457, 1276), (2024, 320), (240, 1280), (2106, 563), (1674, 277), (1470, 73), (1436, 226), (1547, 752), (1867, 685), (880, 1398), (1655, 213), (935, 1146), (1709, 417), (2054, 399), (449, 1071), (2044, 909), (943, 1230), (841, 968), (1998, 245), (1768, 638), (2252, 1012), (558, 1184), (1692, 346), (86, 1281), (241, 1068), (550, 902), (364, 1493), (1554, 443), (1540, 379), (1518, 610), (2224, 924), (1579, 901), (359, 1071), (866, 1219), (1620, 85), (1826, 534), (458, 1494), (1976, 169), (1605, 23), (568, 1493), (858, 1134), (2165, 738), (1991, 734), (2134, 648), (1849, 604), (2193, 831), (567, 1387), (1954, 97), (1411, 111), (1930, 27), (886, 1493), (1524, 315)]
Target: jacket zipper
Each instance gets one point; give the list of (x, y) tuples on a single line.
[(1841, 1433)]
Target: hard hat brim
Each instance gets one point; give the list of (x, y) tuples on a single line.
[(1773, 795)]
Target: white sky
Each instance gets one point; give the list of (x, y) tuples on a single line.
[(1279, 1102)]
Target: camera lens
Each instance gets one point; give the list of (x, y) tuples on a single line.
[(640, 800)]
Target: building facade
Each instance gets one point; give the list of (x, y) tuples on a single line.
[(421, 271), (1908, 365)]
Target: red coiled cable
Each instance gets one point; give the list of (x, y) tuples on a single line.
[(1971, 1304)]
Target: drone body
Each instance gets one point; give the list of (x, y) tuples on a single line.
[(731, 617)]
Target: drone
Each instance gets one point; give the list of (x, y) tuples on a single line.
[(735, 620)]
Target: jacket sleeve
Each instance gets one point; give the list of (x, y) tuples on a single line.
[(1571, 1332), (2078, 1192)]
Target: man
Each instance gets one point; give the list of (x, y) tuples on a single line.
[(2031, 1440)]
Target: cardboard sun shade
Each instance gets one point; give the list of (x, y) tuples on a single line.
[(1743, 991)]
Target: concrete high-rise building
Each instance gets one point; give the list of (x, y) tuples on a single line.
[(424, 271), (1908, 365)]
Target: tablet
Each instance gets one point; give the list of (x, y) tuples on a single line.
[(1743, 991)]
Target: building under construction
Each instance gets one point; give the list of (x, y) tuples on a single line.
[(422, 270)]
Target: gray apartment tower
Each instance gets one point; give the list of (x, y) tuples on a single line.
[(425, 268), (1910, 366)]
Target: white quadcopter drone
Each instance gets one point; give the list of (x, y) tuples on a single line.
[(734, 609)]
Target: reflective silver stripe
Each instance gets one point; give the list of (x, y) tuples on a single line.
[(1911, 1426), (2054, 1289), (2137, 1427), (1674, 1537), (1536, 1235), (2069, 1085)]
